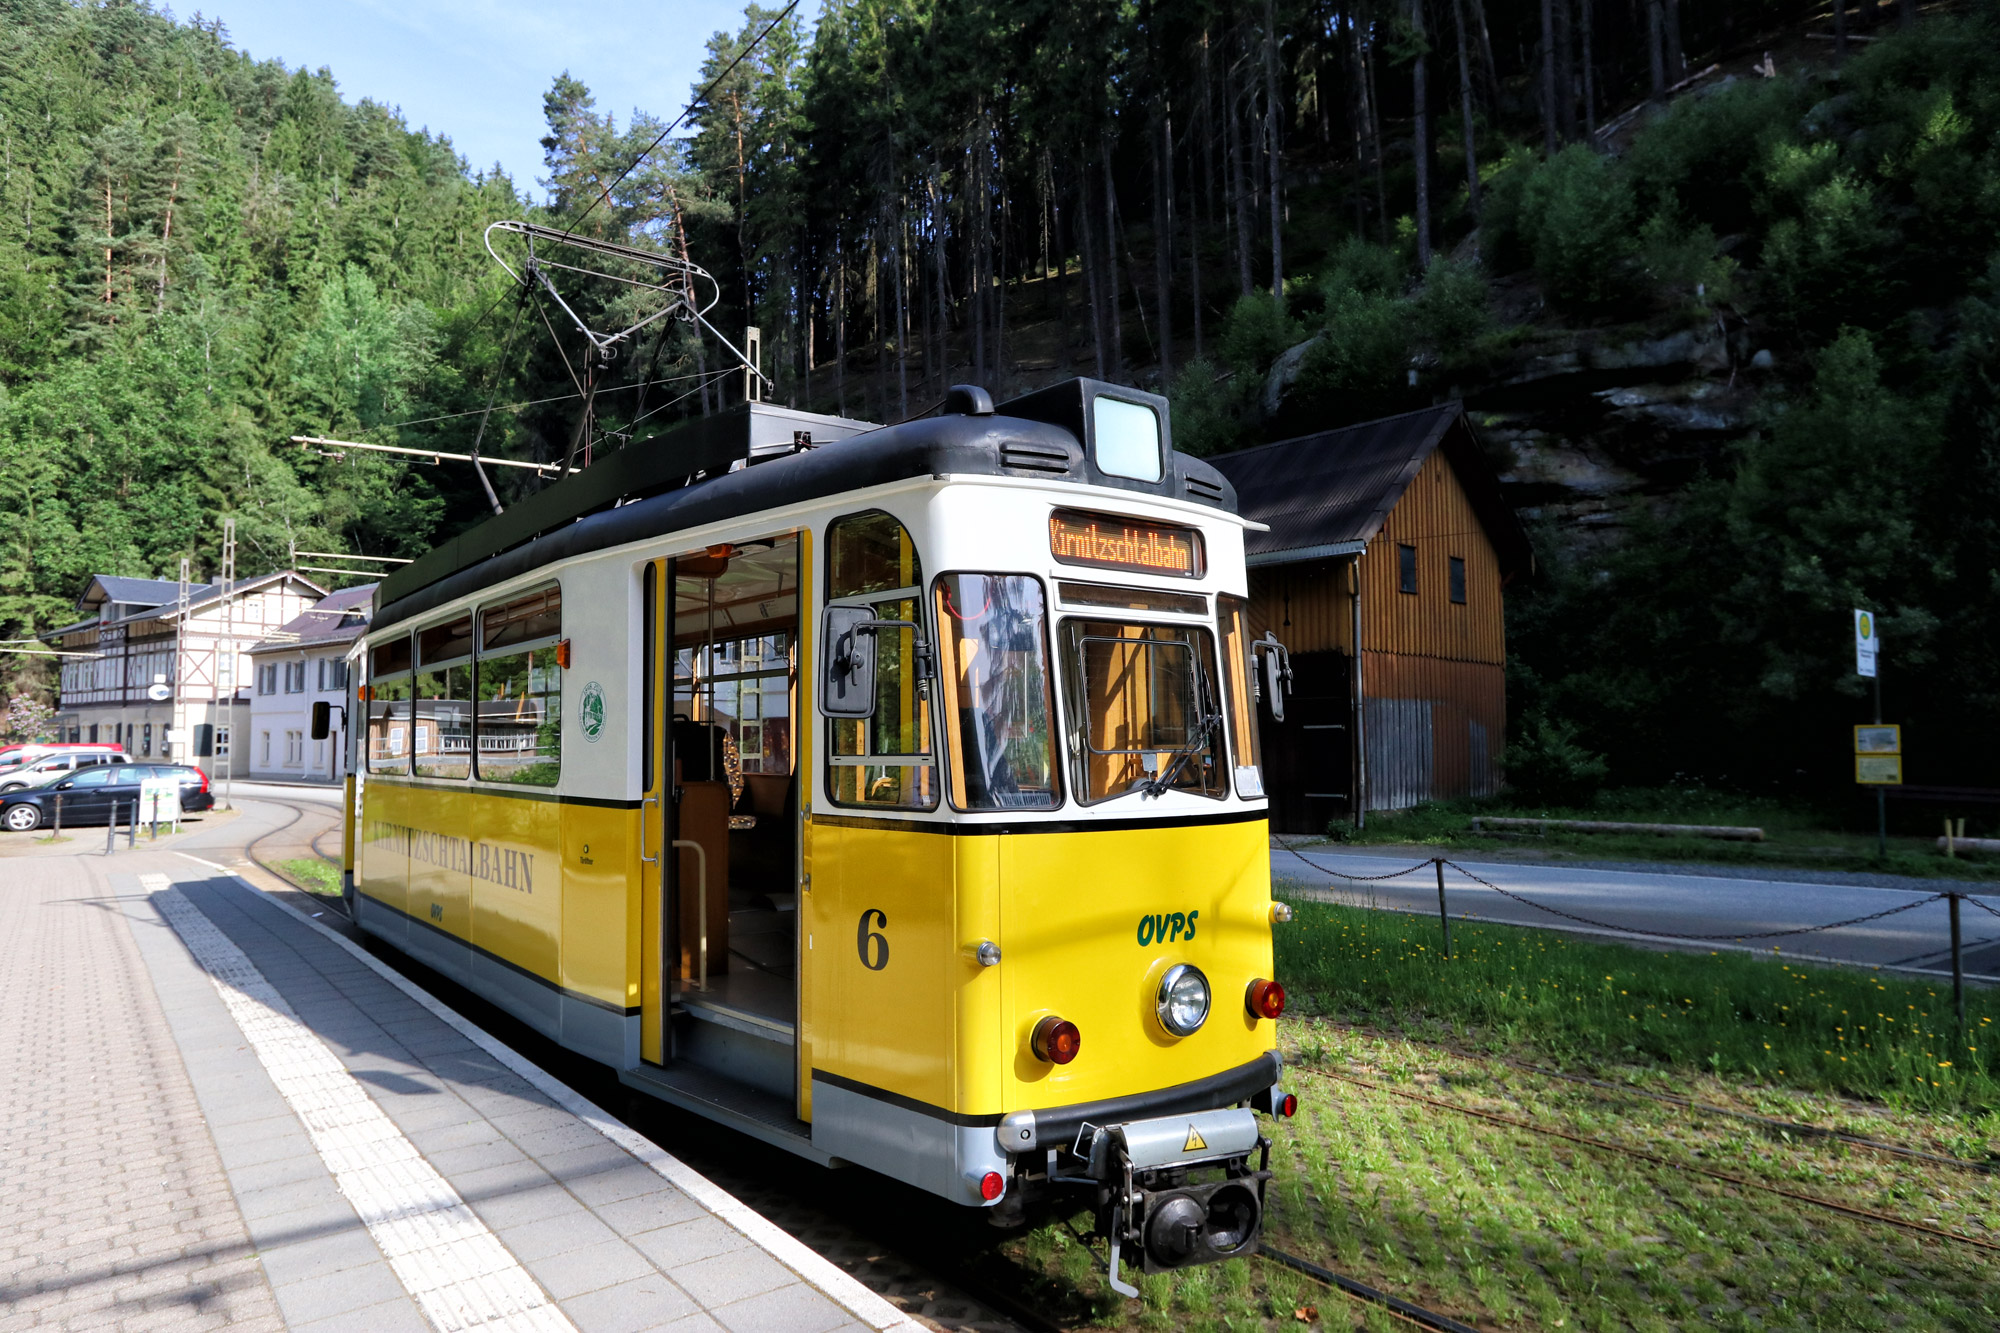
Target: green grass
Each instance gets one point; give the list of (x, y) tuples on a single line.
[(312, 874), (1797, 833), (1762, 1019)]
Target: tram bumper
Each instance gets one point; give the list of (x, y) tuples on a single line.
[(1175, 1183)]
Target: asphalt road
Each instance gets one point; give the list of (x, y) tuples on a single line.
[(1656, 906)]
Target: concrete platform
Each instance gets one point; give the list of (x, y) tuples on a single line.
[(222, 1114)]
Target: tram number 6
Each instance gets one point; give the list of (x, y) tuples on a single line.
[(870, 943)]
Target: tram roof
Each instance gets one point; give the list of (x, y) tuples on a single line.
[(647, 490)]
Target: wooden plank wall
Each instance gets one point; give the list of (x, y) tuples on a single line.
[(1435, 517), (1432, 728), (1306, 606)]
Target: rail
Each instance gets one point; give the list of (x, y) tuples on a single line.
[(701, 895)]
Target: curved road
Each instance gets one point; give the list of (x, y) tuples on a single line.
[(1656, 906)]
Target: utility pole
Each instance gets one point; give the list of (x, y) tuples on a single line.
[(229, 647)]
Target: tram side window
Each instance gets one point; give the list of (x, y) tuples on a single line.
[(443, 700), (517, 716), (389, 739), (997, 692), (1143, 703), (1238, 671), (885, 761)]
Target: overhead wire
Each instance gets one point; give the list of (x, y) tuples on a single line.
[(672, 125)]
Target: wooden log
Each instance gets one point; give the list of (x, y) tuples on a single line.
[(1969, 845), (1730, 832)]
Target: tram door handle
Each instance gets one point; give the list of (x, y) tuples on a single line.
[(650, 800)]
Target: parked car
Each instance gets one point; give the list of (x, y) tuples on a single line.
[(38, 771), (91, 795), (21, 754)]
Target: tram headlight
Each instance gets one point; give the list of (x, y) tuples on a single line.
[(1183, 1002)]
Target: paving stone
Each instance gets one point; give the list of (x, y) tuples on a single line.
[(592, 1268), (731, 1277), (556, 1235), (796, 1308), (663, 1207), (689, 1242), (644, 1303)]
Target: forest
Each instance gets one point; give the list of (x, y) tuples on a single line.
[(1287, 214)]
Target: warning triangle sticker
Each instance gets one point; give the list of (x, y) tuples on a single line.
[(1195, 1142)]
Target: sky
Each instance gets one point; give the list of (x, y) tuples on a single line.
[(475, 72)]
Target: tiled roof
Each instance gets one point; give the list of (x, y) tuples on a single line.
[(340, 617)]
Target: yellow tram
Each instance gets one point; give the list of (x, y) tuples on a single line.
[(890, 794)]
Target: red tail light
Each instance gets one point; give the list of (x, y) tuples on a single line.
[(1288, 1105), (992, 1185), (1056, 1040), (1265, 999)]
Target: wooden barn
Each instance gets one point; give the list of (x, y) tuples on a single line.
[(1391, 535)]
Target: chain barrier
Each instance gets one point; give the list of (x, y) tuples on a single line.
[(1629, 930), (1991, 911)]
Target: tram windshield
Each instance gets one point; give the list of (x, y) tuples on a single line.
[(1142, 700), (997, 692)]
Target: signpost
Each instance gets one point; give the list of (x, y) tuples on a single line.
[(1878, 749)]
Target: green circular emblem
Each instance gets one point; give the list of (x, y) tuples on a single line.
[(590, 712)]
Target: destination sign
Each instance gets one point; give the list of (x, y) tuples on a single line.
[(1110, 542)]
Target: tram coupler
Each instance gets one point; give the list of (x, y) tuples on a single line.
[(1179, 1190)]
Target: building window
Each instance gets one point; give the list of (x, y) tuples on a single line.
[(295, 677), (1458, 579), (222, 742), (267, 678), (295, 745), (146, 740), (225, 669), (1406, 569), (93, 733), (264, 739), (322, 675), (517, 696), (319, 755)]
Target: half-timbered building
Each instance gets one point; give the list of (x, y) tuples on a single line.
[(163, 680)]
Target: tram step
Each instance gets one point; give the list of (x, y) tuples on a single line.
[(753, 1111)]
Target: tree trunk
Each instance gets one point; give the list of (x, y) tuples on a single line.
[(1117, 319), (1677, 65), (1087, 252), (1274, 124), (1656, 48), (1839, 31), (902, 317), (1486, 53), (1565, 73), (1163, 236), (1420, 101), (940, 274), (1548, 89), (1239, 193), (1357, 114), (1906, 13), (1465, 109), (1375, 143), (1589, 69), (839, 324)]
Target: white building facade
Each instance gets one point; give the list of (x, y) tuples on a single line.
[(302, 663), (164, 689)]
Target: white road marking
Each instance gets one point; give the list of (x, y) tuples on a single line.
[(818, 1270), (451, 1264)]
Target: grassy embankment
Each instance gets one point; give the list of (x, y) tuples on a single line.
[(1388, 1175), (1796, 834), (310, 873)]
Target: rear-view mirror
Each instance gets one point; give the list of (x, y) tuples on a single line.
[(1277, 672), (322, 723), (847, 685)]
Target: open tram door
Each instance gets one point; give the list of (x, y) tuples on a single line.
[(719, 1016)]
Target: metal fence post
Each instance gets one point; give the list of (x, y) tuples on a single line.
[(111, 831), (56, 836), (1444, 918), (132, 829), (1957, 970)]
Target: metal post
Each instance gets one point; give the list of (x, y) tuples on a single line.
[(132, 829), (111, 831), (1957, 969), (56, 836), (1444, 917), (1882, 797)]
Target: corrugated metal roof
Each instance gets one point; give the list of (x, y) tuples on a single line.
[(1324, 491)]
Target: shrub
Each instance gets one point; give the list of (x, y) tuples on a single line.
[(1704, 159), (1576, 212), (1450, 308), (1544, 764), (1207, 410), (1256, 331), (1683, 262)]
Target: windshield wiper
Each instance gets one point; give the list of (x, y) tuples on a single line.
[(1160, 784)]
